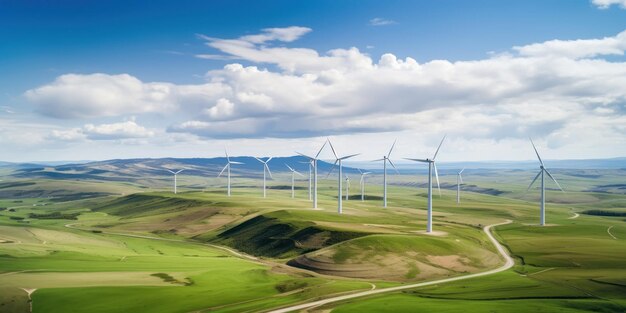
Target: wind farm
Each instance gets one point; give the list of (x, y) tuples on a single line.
[(464, 156)]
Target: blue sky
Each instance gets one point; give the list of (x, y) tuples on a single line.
[(97, 80)]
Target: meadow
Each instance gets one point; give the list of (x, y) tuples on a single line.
[(111, 246)]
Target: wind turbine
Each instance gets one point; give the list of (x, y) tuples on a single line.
[(265, 168), (228, 165), (347, 188), (175, 174), (386, 159), (542, 170), (313, 161), (431, 165), (338, 161), (293, 180), (459, 181), (362, 183)]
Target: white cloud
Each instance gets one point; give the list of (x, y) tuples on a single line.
[(101, 95), (72, 134), (221, 110), (379, 21), (576, 48), (114, 131), (605, 4), (287, 34), (123, 130)]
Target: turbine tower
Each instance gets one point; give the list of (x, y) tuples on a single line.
[(338, 161), (265, 168), (313, 161), (459, 181), (431, 166), (175, 174), (228, 165), (386, 159), (310, 163), (542, 170), (293, 180), (362, 183)]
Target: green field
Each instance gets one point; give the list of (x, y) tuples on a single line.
[(96, 246)]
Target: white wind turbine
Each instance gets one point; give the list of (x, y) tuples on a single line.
[(175, 178), (227, 166), (338, 161), (293, 180), (459, 181), (362, 183), (313, 161), (431, 166), (542, 170), (386, 159), (265, 168), (347, 188)]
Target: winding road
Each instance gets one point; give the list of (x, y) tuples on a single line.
[(609, 232), (487, 229)]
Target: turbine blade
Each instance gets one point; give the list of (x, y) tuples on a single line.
[(227, 157), (268, 170), (234, 162), (259, 160), (377, 160), (269, 159), (306, 156), (332, 168), (393, 165), (393, 145), (298, 173), (291, 169), (170, 171), (220, 174), (556, 182), (417, 160), (332, 148), (435, 156), (437, 177), (322, 148), (536, 152), (179, 171), (361, 172), (531, 183), (460, 178), (349, 156), (461, 171), (366, 173)]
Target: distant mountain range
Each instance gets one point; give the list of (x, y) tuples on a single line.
[(612, 163), (133, 169)]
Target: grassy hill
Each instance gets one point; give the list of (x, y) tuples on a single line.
[(143, 248)]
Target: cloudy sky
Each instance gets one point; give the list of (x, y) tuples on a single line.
[(88, 80)]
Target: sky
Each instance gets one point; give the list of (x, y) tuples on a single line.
[(94, 80)]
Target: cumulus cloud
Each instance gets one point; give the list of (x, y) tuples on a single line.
[(546, 90), (114, 131), (101, 95), (605, 4), (379, 21)]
